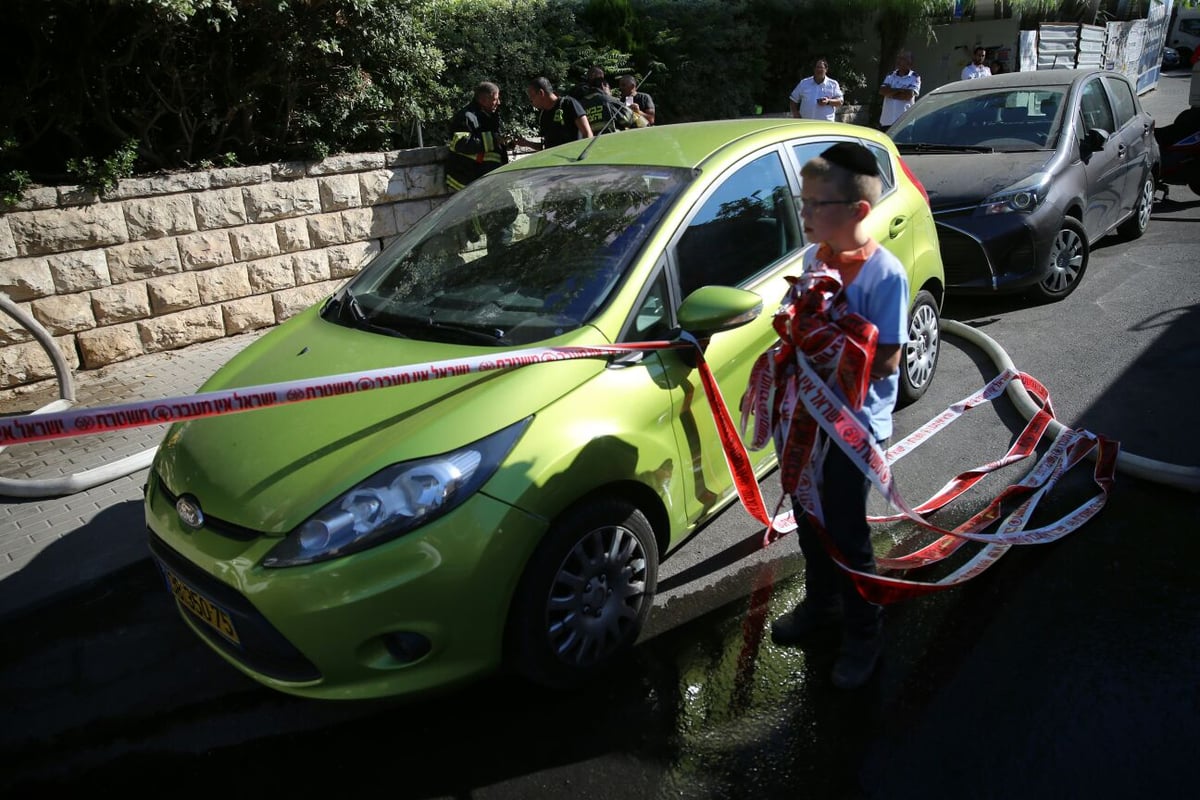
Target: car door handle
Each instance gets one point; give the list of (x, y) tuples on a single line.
[(897, 226), (1121, 148)]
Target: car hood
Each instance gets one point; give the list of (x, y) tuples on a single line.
[(954, 180), (268, 470)]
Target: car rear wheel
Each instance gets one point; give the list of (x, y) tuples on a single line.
[(1068, 261), (1136, 225), (585, 594), (921, 352)]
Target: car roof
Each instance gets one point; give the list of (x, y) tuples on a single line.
[(1031, 79), (689, 144)]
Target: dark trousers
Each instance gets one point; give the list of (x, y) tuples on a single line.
[(844, 502)]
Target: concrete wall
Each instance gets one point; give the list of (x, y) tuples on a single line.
[(164, 262)]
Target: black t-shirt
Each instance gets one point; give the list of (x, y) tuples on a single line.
[(557, 125)]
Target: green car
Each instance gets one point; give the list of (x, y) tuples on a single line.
[(389, 542)]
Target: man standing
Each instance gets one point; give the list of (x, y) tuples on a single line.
[(899, 90), (605, 113), (562, 119), (818, 96), (639, 102), (978, 67), (477, 145)]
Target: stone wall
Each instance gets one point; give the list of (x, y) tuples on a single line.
[(164, 262)]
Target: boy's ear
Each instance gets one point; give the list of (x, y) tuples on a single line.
[(861, 210)]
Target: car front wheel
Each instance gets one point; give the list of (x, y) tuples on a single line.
[(1136, 225), (921, 352), (1068, 261), (585, 594)]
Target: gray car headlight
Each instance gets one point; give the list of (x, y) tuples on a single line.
[(394, 501), (1024, 197)]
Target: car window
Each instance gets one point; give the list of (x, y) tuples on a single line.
[(1094, 107), (997, 119), (652, 320), (747, 223), (1123, 103), (805, 151)]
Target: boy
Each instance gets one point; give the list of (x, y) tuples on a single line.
[(839, 189)]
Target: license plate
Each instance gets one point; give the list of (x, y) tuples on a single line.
[(201, 607)]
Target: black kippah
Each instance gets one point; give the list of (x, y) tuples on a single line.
[(853, 157)]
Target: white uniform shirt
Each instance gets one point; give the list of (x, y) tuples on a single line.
[(972, 71), (808, 91), (893, 108)]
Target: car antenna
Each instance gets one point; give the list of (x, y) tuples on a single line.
[(611, 123)]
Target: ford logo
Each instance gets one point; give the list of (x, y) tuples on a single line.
[(189, 512)]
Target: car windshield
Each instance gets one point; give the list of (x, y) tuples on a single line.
[(1005, 120), (514, 258)]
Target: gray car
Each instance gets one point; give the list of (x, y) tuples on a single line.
[(1027, 170)]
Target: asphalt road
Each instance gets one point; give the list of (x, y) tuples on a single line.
[(1067, 670)]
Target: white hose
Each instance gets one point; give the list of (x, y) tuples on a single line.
[(80, 481), (1180, 477)]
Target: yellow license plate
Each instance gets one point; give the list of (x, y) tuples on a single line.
[(201, 607)]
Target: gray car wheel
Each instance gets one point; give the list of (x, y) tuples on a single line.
[(1137, 223), (1068, 261), (921, 352), (585, 593)]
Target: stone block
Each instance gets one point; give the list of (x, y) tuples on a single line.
[(37, 198), (410, 213), (348, 259), (12, 331), (356, 223), (271, 274), (348, 162), (248, 314), (254, 241), (145, 259), (381, 186), (223, 283), (289, 170), (26, 278), (181, 329), (66, 313), (154, 218), (240, 176), (78, 271), (109, 345), (310, 267), (224, 208), (173, 293), (8, 247), (417, 155), (290, 302), (339, 192), (172, 183), (292, 234), (326, 229), (205, 249), (120, 303), (24, 363), (57, 230), (273, 201)]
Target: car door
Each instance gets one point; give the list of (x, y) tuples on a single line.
[(1104, 166), (744, 232), (1134, 131)]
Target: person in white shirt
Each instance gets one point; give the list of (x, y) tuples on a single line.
[(818, 96), (899, 90), (977, 68)]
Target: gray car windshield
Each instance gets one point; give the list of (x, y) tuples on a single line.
[(513, 258), (994, 121)]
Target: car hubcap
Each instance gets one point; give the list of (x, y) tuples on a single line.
[(1146, 204), (596, 595), (1066, 260), (922, 346)]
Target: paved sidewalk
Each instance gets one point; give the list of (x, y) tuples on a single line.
[(54, 545)]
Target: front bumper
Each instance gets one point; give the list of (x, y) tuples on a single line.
[(337, 629), (985, 254)]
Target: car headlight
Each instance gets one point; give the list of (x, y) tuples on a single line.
[(1022, 198), (394, 501)]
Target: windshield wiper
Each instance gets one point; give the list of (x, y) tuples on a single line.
[(462, 333), (927, 147), (358, 317)]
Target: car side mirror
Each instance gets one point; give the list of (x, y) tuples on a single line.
[(1095, 138), (712, 309)]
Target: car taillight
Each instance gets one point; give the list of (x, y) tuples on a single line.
[(909, 174)]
